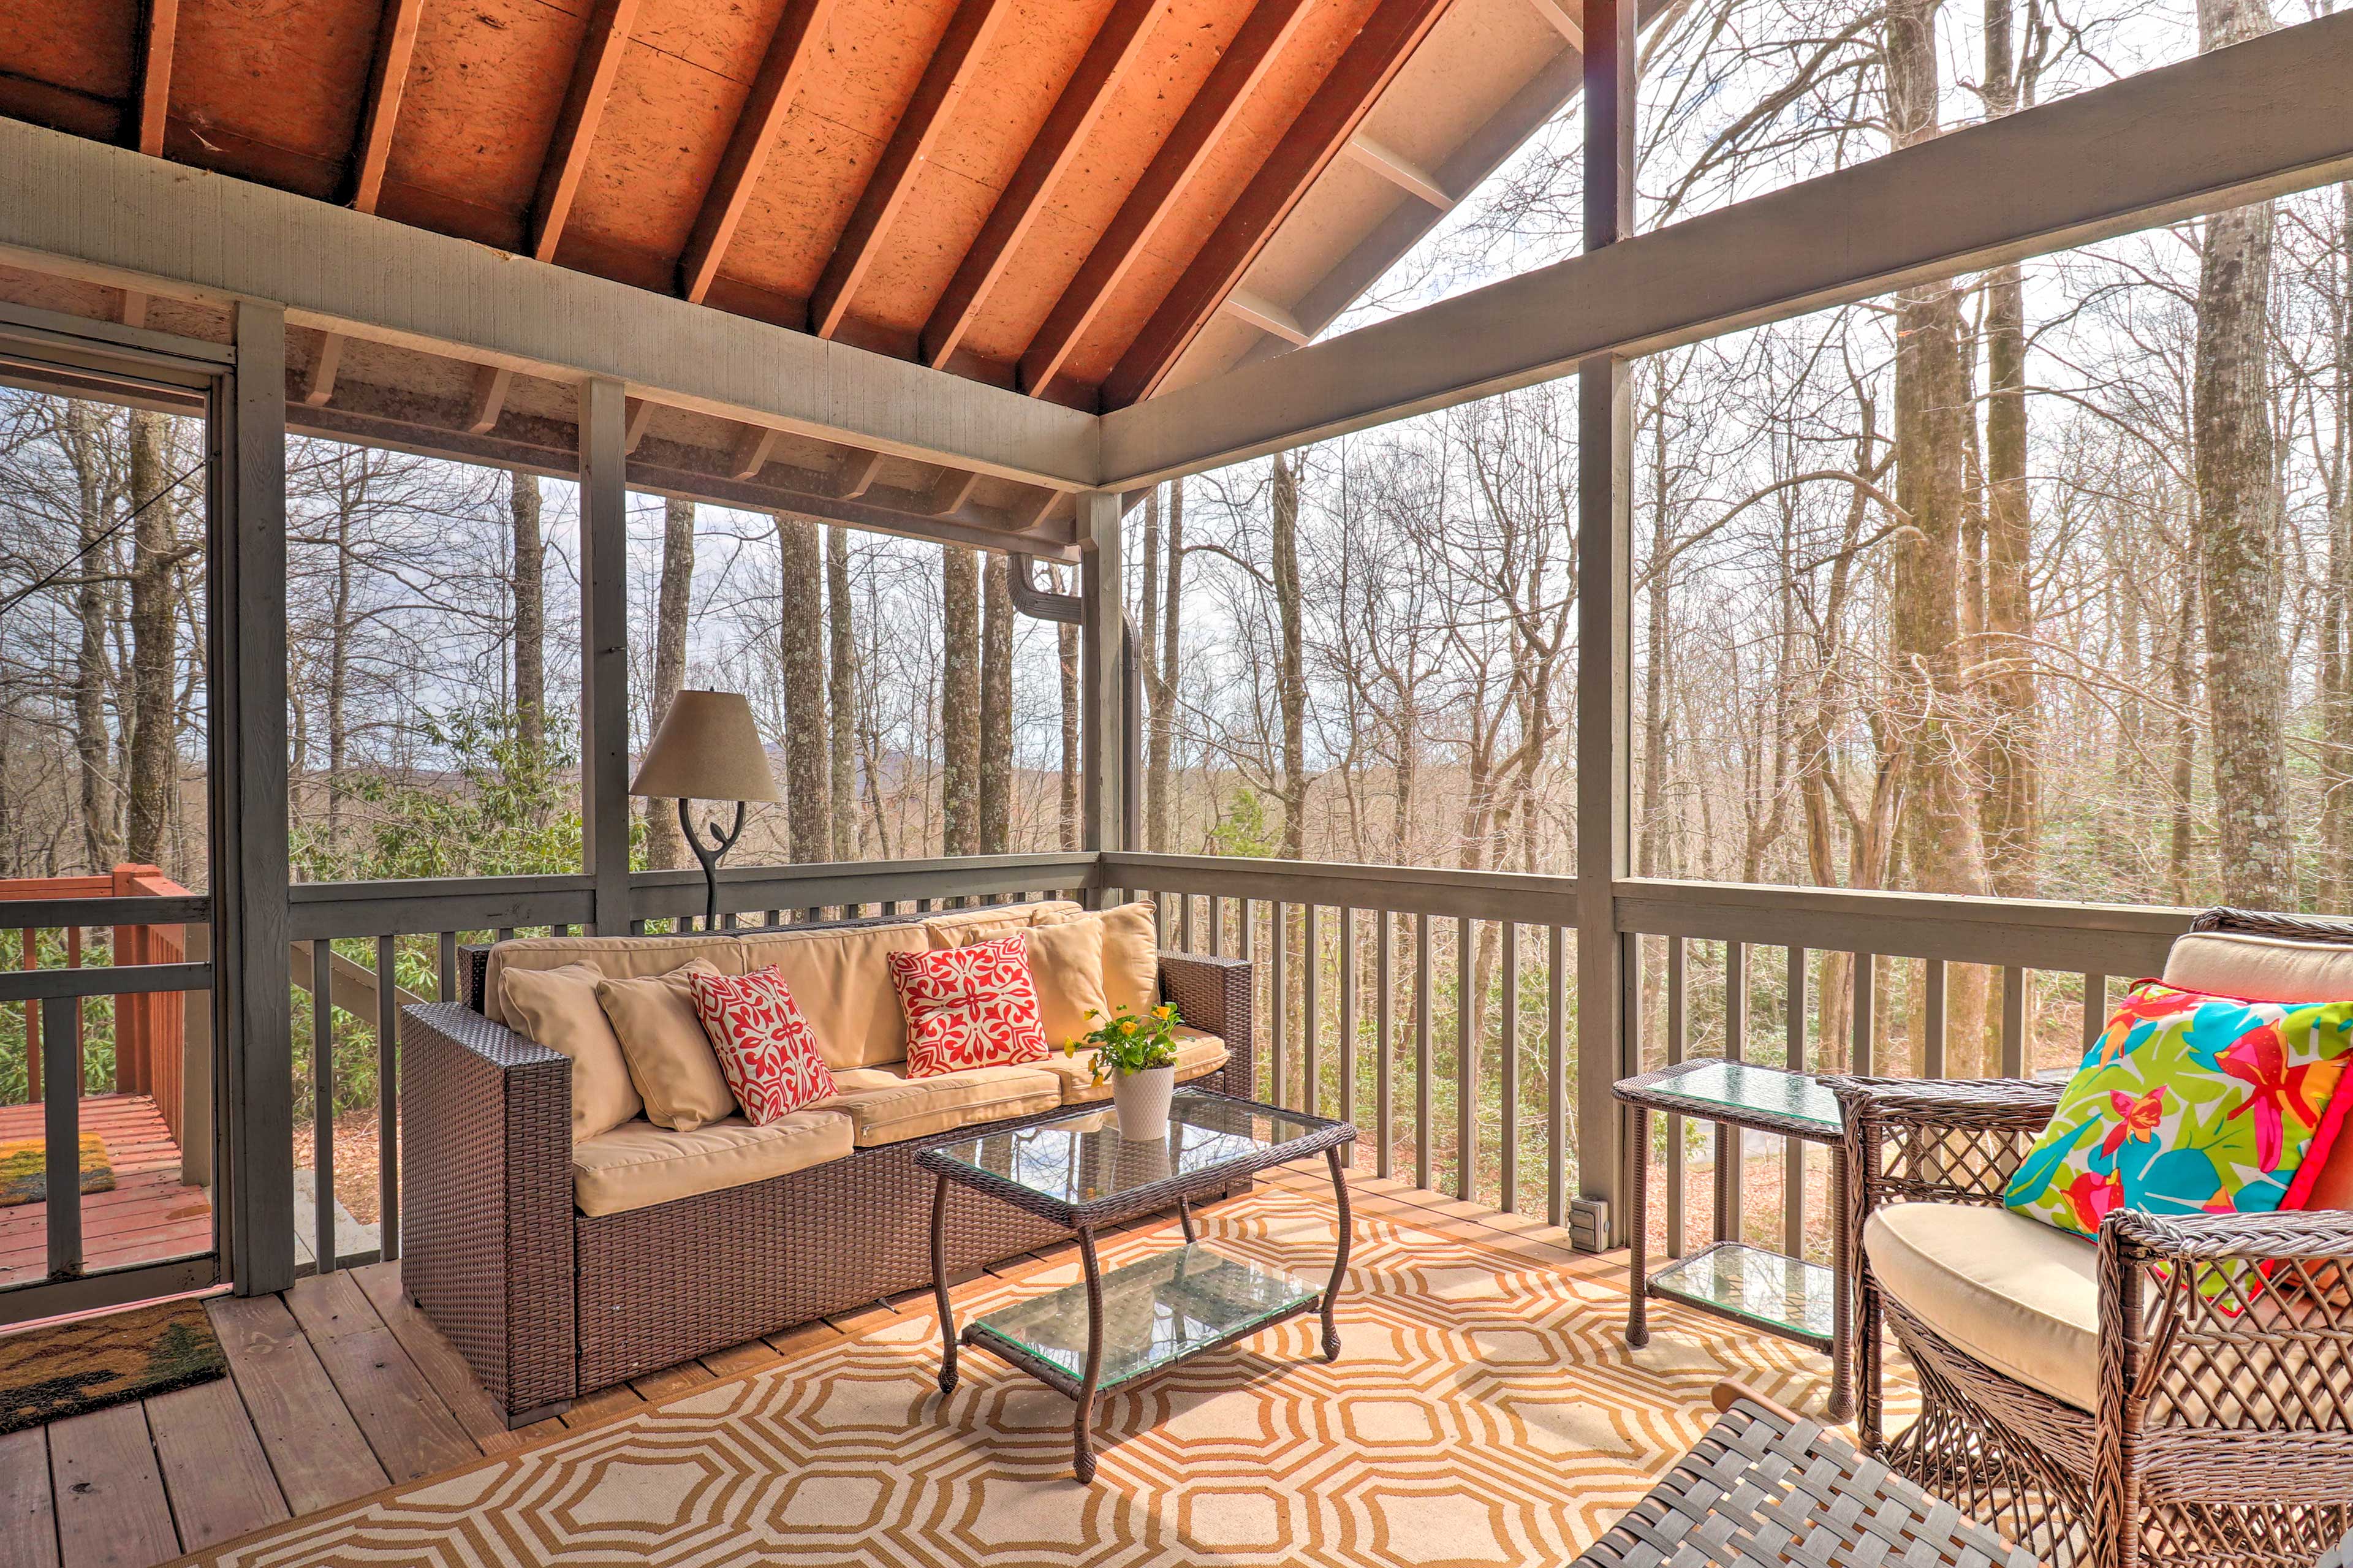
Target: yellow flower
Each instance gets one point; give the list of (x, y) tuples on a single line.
[(1166, 1013)]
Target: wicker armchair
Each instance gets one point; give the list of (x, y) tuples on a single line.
[(2222, 1430)]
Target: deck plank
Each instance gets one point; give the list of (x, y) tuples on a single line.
[(478, 1414), (315, 1449), (111, 1507), (28, 1526), (215, 1474), (412, 1432)]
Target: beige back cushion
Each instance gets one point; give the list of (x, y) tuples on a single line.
[(962, 928), (841, 982), (617, 957), (558, 1008), (1066, 965), (1131, 970), (672, 1063), (2275, 969)]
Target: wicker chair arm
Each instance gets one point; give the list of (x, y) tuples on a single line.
[(1993, 1104), (2302, 1234), (1215, 995)]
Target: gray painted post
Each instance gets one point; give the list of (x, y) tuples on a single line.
[(1102, 593), (1605, 660), (253, 1023), (605, 653)]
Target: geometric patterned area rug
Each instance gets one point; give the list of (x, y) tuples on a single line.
[(1484, 1412)]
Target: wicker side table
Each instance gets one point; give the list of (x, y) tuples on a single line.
[(1765, 1486)]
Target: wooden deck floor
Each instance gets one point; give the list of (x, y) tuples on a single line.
[(339, 1387), (148, 1216)]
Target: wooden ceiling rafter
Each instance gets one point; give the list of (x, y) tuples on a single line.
[(784, 68), (856, 474), (1270, 26), (636, 413), (159, 33), (1323, 128), (1567, 25), (1369, 152), (951, 492), (602, 44), (488, 398), (753, 444), (1116, 46), (910, 148), (1267, 316), (396, 47), (319, 381)]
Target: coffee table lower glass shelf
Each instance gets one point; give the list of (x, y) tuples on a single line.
[(1750, 1285), (1155, 1313)]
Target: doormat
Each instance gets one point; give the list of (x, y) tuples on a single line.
[(48, 1373), (24, 1174)]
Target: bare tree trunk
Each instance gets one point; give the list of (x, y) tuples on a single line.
[(2181, 838), (808, 739), (960, 703), (841, 693), (93, 750), (2239, 529), (1292, 687), (351, 482), (1073, 761), (665, 846), (996, 704), (530, 590), (155, 553)]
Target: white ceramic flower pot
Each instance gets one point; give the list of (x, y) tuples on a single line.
[(1142, 1101)]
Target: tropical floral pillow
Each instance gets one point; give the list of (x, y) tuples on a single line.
[(2191, 1103)]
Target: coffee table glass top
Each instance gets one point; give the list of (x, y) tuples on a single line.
[(1156, 1311), (1745, 1087), (1081, 1159)]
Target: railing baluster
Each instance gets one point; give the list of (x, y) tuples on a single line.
[(1730, 1156), (1866, 1024), (322, 1100), (2013, 1022), (1347, 1015), (1793, 1152), (387, 1098), (1385, 1033), (1217, 926), (2096, 1010), (1466, 1068), (1933, 1020), (61, 1130), (506, 933), (1678, 1047), (1556, 1072), (1279, 984), (1507, 1037), (1311, 1041), (1184, 922), (1249, 913), (1421, 972), (448, 967)]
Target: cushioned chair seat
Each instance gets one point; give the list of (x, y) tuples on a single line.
[(637, 1163), (1199, 1054), (2018, 1295), (885, 1106)]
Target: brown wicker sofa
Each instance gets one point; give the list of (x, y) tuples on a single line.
[(2180, 1393), (548, 1302)]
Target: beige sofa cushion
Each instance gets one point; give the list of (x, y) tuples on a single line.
[(841, 982), (1066, 968), (2020, 1296), (1199, 1054), (2261, 968), (885, 1106), (671, 1064), (1131, 973), (558, 1008), (620, 957), (637, 1163), (962, 928)]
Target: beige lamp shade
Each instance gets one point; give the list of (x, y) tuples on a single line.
[(707, 749)]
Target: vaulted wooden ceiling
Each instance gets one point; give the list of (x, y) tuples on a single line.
[(1084, 200)]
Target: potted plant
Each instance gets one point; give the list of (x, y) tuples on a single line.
[(1138, 1054)]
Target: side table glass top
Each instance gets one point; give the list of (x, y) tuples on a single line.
[(1744, 1086), (1083, 1159)]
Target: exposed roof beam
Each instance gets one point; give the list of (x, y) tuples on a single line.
[(750, 454), (856, 475), (488, 398), (1267, 317), (2255, 120), (636, 413), (1117, 45), (800, 31), (1355, 81), (950, 493), (1566, 25), (395, 45), (602, 43), (1202, 126), (159, 30), (1398, 170), (319, 385), (926, 116)]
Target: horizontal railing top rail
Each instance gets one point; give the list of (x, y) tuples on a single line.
[(1532, 898)]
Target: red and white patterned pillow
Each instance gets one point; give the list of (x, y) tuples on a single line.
[(972, 1007), (763, 1043)]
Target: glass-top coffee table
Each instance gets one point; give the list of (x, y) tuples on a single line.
[(1117, 1328), (1764, 1290)]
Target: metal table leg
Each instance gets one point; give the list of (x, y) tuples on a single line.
[(1638, 1328), (1340, 1262), (1841, 1289), (940, 1285), (1082, 1454)]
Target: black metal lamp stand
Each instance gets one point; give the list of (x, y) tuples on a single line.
[(709, 854)]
